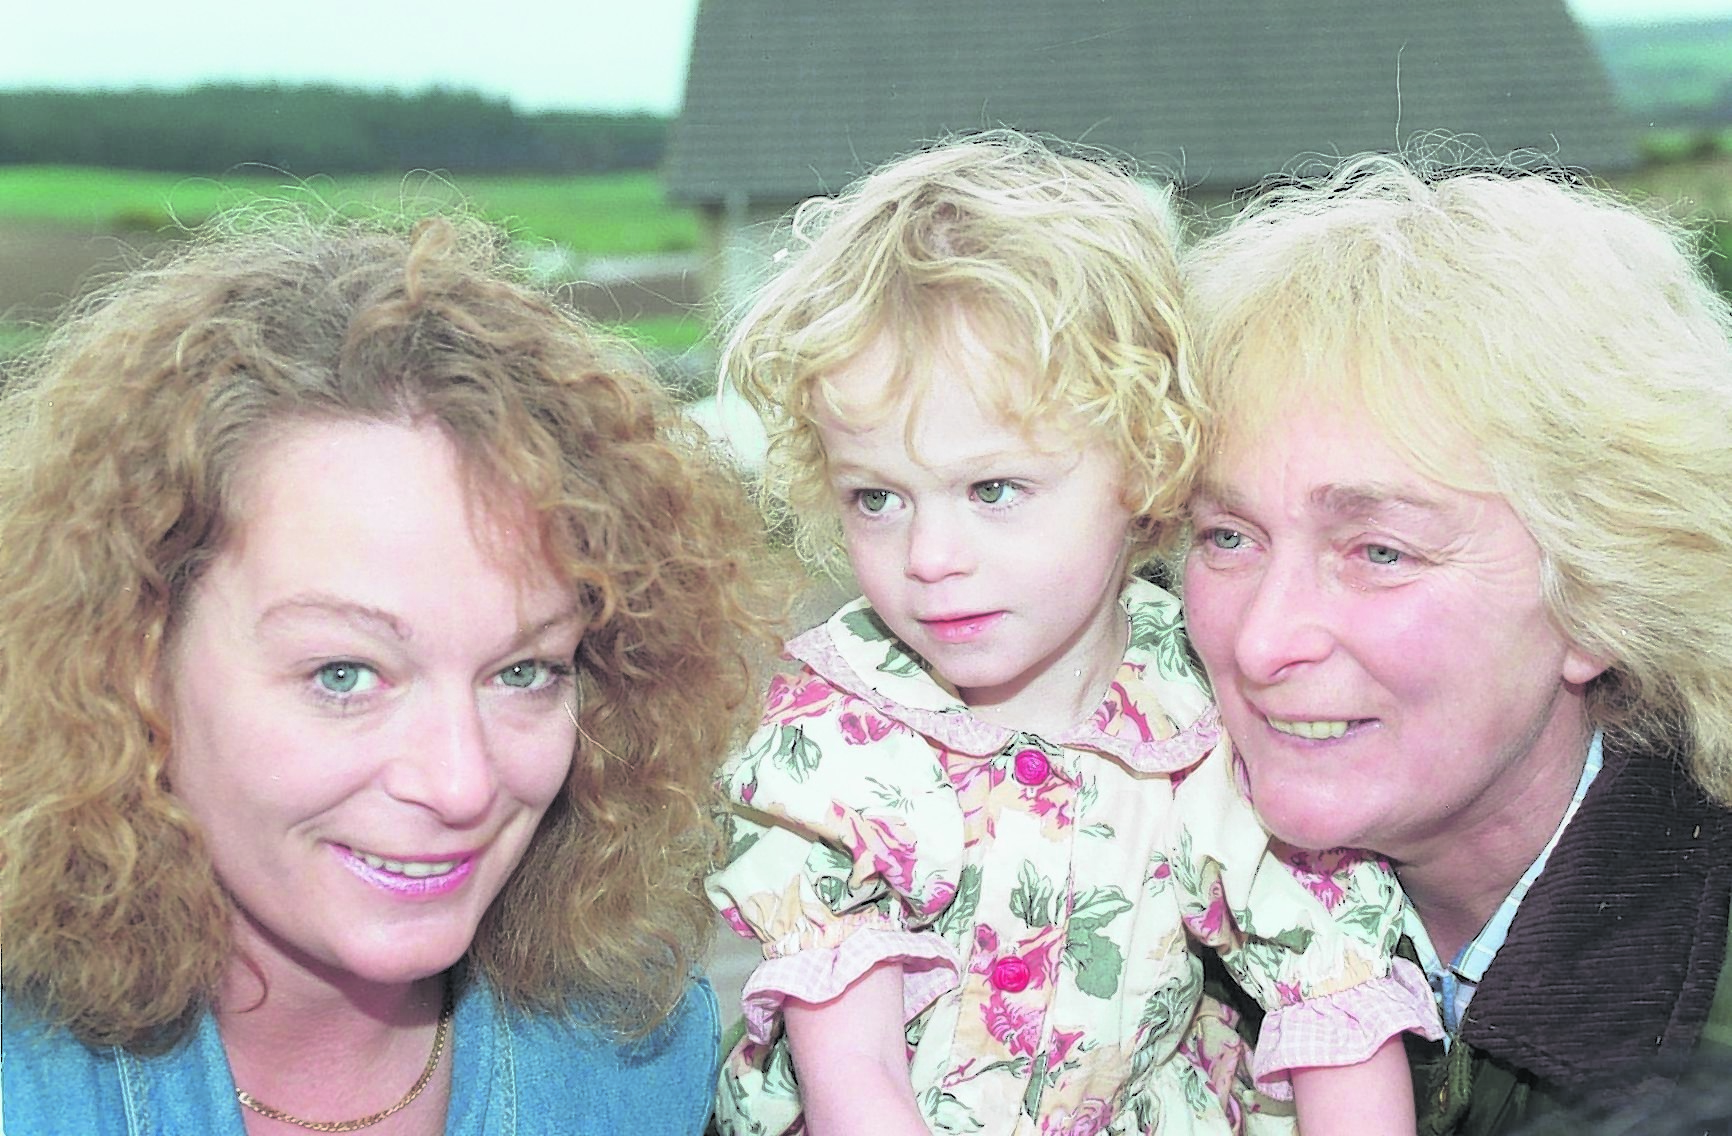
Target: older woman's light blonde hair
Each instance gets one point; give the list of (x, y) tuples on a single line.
[(1528, 336), (1065, 263), (119, 450)]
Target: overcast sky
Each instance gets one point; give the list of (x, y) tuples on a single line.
[(542, 54)]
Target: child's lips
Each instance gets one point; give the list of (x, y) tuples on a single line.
[(960, 628)]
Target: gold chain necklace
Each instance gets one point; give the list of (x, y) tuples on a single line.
[(249, 1101)]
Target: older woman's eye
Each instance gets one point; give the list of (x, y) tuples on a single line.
[(522, 674), (1381, 554), (345, 678), (1226, 539)]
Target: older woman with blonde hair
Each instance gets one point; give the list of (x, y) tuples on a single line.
[(369, 634), (1459, 574)]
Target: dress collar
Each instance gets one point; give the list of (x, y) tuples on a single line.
[(1155, 717)]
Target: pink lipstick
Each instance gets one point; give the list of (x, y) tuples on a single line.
[(411, 879)]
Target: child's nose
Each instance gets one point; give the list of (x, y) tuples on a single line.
[(936, 547)]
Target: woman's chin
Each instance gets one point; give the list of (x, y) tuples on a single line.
[(1311, 821), (389, 967)]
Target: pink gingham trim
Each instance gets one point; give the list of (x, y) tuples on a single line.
[(1343, 1028), (930, 969)]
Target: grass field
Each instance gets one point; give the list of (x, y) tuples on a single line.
[(585, 217), (592, 216), (1662, 70)]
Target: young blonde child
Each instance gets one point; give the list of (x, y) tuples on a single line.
[(989, 817)]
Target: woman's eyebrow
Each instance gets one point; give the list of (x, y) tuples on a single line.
[(1370, 498), (317, 605), (564, 617), (320, 604)]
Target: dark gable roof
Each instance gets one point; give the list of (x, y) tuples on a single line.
[(788, 98)]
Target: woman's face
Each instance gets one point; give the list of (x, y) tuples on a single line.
[(1378, 642), (370, 688)]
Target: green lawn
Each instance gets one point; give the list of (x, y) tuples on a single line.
[(608, 214), (14, 338), (613, 214)]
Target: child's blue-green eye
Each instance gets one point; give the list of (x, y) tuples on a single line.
[(994, 492), (875, 500), (344, 677)]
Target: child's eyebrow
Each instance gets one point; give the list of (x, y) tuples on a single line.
[(986, 463)]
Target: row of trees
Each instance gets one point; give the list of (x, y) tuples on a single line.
[(1670, 74), (316, 130)]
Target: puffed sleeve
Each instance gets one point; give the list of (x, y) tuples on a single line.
[(1311, 936), (844, 845)]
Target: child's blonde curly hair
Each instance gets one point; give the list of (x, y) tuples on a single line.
[(1064, 262)]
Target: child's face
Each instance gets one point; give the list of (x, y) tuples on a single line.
[(996, 553)]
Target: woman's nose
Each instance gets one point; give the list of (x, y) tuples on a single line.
[(448, 765), (1284, 623)]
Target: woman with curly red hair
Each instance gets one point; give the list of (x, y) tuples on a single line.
[(369, 634)]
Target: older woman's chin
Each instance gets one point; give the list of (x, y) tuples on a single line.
[(1313, 833), (1314, 813)]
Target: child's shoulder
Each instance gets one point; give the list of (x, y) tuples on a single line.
[(1157, 627), (1144, 593), (1158, 645), (859, 654), (819, 673)]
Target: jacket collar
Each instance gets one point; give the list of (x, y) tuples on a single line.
[(1610, 966)]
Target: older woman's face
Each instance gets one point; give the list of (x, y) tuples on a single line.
[(1378, 642), (370, 705)]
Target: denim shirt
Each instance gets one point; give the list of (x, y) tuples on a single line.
[(513, 1074)]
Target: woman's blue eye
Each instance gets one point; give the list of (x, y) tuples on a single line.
[(1381, 554), (524, 674), (994, 492), (345, 677), (1225, 538)]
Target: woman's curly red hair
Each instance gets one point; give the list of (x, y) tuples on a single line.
[(119, 445)]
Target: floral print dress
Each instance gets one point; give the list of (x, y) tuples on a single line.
[(1044, 896)]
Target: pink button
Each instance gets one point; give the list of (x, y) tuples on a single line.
[(1010, 975), (1031, 766)]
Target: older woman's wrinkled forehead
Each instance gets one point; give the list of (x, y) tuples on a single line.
[(1396, 395)]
